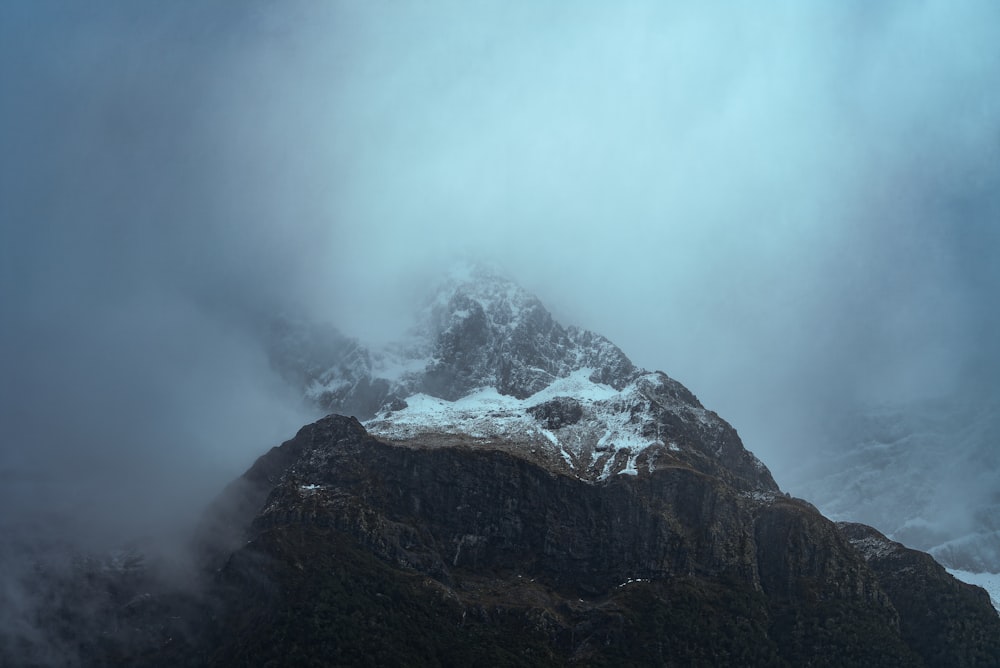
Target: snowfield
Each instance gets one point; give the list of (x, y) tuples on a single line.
[(606, 425)]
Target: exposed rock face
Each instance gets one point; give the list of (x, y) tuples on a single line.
[(557, 412), (360, 549), (491, 333)]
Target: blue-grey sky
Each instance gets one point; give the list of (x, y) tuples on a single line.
[(787, 206)]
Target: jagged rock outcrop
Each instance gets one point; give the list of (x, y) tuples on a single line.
[(557, 412), (490, 333)]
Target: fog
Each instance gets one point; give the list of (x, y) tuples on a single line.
[(789, 208)]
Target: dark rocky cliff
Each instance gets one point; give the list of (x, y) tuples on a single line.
[(359, 552)]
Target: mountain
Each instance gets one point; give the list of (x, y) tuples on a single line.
[(519, 493), (488, 363), (924, 472), (489, 394), (359, 550)]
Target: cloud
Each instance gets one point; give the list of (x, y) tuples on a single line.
[(788, 208), (137, 252)]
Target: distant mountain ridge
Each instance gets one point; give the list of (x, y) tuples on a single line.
[(924, 472)]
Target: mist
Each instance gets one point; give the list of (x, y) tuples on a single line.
[(791, 209)]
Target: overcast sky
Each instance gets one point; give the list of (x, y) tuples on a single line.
[(787, 206)]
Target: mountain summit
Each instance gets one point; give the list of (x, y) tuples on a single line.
[(478, 330), (487, 363)]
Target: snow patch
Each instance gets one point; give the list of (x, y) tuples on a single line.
[(630, 468), (485, 414), (631, 581), (760, 497), (874, 547)]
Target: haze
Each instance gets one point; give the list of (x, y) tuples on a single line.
[(789, 207)]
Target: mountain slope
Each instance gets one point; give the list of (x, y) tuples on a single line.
[(466, 552)]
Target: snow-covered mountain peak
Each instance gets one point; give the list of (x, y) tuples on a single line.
[(501, 301), (487, 363)]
